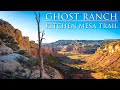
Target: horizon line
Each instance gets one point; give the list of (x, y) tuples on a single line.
[(85, 40)]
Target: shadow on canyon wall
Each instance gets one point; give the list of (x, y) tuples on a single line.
[(71, 72)]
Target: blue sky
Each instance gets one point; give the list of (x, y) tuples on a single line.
[(25, 21)]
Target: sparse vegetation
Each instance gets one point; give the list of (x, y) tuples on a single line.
[(22, 52), (9, 41), (50, 60)]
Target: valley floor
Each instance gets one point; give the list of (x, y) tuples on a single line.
[(74, 67)]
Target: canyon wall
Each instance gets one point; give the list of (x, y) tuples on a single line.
[(106, 57), (23, 41)]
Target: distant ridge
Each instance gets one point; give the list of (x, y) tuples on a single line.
[(81, 40)]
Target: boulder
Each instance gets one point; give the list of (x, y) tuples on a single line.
[(50, 73), (35, 73), (5, 50), (8, 65), (13, 56), (53, 73)]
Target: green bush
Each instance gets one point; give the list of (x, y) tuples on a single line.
[(0, 43), (9, 41), (50, 60), (22, 52), (109, 77)]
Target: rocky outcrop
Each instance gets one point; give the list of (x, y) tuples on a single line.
[(13, 56), (15, 69), (5, 50), (53, 73), (15, 65), (18, 37), (6, 28), (8, 65), (50, 50), (23, 41), (33, 48), (18, 65), (67, 48)]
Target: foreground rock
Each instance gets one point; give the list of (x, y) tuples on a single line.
[(53, 73), (17, 66), (5, 50), (7, 65), (50, 73), (14, 57)]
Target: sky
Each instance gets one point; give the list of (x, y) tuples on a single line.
[(26, 22)]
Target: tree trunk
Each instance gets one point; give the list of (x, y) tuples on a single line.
[(40, 54), (40, 57)]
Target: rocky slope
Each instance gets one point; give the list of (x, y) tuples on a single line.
[(16, 66), (23, 42), (106, 57), (13, 65)]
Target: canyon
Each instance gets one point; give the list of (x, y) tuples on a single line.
[(78, 46), (76, 59)]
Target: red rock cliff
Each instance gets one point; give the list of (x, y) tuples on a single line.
[(23, 42)]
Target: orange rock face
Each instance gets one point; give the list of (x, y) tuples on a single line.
[(50, 50), (23, 42), (107, 57)]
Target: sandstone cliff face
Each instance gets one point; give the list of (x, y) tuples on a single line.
[(6, 28), (79, 48), (67, 48), (50, 50), (23, 42), (18, 37), (107, 57)]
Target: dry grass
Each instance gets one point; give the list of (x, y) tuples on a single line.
[(98, 75), (74, 56)]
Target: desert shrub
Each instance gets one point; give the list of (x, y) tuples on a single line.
[(33, 62), (22, 52), (9, 41), (50, 60), (109, 77)]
